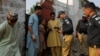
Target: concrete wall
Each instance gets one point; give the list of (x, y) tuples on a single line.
[(13, 5), (73, 11)]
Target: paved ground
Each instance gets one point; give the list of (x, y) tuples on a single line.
[(75, 49)]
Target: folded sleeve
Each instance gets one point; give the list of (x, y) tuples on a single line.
[(31, 20)]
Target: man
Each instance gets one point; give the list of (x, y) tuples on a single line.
[(53, 40), (8, 36), (93, 30), (67, 31), (33, 37), (81, 30)]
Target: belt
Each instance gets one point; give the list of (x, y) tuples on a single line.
[(83, 33), (97, 46)]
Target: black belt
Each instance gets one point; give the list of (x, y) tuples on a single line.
[(83, 33), (67, 34), (97, 46)]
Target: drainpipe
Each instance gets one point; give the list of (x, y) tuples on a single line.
[(67, 7)]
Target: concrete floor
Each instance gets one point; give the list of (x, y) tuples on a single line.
[(75, 49)]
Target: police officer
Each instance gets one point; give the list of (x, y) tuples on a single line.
[(67, 31), (81, 30), (93, 30)]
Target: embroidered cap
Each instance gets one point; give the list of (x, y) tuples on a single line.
[(12, 16)]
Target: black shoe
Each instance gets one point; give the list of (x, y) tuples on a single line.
[(86, 55), (81, 54)]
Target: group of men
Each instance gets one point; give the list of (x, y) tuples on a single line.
[(88, 30)]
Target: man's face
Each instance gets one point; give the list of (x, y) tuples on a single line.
[(62, 16), (12, 22), (39, 12), (52, 16), (87, 11)]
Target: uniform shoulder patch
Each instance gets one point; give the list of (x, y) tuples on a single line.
[(97, 18), (67, 21)]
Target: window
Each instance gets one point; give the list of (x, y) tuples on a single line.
[(69, 2)]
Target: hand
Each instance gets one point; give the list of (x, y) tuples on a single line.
[(34, 38), (56, 27), (60, 31), (76, 34)]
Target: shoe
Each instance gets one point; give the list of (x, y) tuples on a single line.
[(86, 55), (81, 54)]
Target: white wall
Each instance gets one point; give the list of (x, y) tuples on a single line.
[(75, 12), (72, 10), (19, 7)]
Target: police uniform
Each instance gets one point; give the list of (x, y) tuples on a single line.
[(94, 34), (82, 36), (67, 36)]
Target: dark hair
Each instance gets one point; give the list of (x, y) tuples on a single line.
[(84, 17), (37, 8), (52, 13), (90, 5), (61, 12)]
